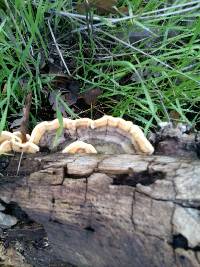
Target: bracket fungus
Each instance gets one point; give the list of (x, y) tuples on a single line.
[(79, 147), (13, 142), (27, 147), (6, 141), (5, 147), (5, 136), (107, 135)]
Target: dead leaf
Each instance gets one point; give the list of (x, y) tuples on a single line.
[(16, 123), (4, 89), (74, 87), (102, 7), (69, 98), (90, 96), (69, 90), (52, 101), (175, 117), (123, 9)]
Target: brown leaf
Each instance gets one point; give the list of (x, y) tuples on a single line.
[(123, 9), (4, 88), (102, 6), (70, 98), (16, 123), (69, 90), (175, 117), (90, 97)]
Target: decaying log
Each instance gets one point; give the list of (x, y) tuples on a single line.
[(112, 210)]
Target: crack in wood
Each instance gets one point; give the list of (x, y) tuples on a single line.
[(174, 209), (132, 179), (132, 210)]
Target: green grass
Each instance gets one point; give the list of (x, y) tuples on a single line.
[(142, 80)]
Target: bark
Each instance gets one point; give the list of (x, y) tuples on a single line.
[(112, 210)]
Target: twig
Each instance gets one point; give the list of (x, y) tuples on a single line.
[(58, 49), (25, 119), (24, 123), (88, 17), (19, 164)]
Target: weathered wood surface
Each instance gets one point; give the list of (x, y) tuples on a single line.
[(110, 211)]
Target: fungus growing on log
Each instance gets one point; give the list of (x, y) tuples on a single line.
[(5, 136), (6, 141), (13, 142), (27, 147), (5, 147), (20, 135), (107, 135), (79, 147)]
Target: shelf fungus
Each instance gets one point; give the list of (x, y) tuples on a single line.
[(6, 141), (106, 135), (27, 147), (79, 147), (5, 147), (13, 142)]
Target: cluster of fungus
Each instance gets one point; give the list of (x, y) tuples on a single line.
[(13, 142), (108, 135)]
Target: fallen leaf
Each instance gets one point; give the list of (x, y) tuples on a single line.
[(4, 89), (123, 9), (68, 89), (175, 117), (74, 87), (70, 98), (90, 96), (16, 123), (102, 7), (52, 101)]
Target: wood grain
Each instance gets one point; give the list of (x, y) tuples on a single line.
[(112, 210)]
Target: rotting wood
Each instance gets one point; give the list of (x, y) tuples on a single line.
[(112, 210)]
